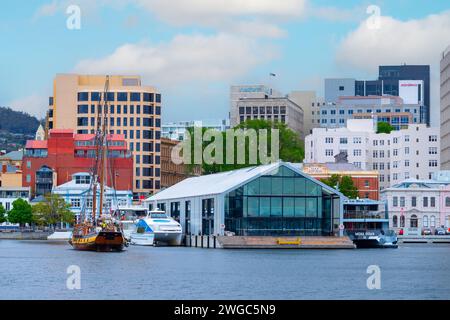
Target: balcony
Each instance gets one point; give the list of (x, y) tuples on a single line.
[(364, 214)]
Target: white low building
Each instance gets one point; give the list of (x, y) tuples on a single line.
[(414, 205), (411, 153), (78, 194), (10, 194), (269, 200)]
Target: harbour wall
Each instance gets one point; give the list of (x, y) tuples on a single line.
[(24, 235)]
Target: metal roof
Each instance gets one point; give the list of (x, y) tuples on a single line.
[(223, 182)]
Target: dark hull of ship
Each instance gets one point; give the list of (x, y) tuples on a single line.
[(104, 241), (373, 243)]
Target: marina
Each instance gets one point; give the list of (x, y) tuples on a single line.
[(38, 270)]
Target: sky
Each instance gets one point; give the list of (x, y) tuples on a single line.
[(193, 50)]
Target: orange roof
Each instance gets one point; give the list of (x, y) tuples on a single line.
[(36, 144), (61, 131), (89, 136)]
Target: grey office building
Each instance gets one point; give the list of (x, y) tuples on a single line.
[(445, 110), (260, 102), (391, 81)]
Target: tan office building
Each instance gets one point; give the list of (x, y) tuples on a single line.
[(135, 112), (445, 110)]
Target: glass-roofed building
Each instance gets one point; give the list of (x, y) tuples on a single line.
[(269, 200)]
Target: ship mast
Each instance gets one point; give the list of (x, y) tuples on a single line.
[(101, 156)]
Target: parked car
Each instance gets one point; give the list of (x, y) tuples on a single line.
[(426, 232), (447, 232), (439, 232)]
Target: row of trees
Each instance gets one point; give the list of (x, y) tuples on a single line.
[(50, 212), (291, 146)]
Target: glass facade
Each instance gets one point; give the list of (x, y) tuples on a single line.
[(281, 203)]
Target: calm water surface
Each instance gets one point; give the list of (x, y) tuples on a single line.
[(37, 270)]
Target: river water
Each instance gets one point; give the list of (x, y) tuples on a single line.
[(38, 270)]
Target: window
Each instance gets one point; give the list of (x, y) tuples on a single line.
[(432, 221), (329, 152), (83, 109), (395, 221), (413, 201), (83, 179), (425, 221), (414, 222), (328, 140), (447, 201), (341, 88), (343, 140), (432, 202), (83, 96), (357, 152), (95, 96), (122, 96), (432, 150), (432, 138), (135, 96), (84, 121), (425, 202), (75, 203), (402, 221), (402, 201), (357, 140), (432, 163)]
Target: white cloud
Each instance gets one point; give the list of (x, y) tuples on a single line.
[(419, 41), (412, 42), (35, 105), (186, 58), (206, 11)]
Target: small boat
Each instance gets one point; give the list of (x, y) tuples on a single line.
[(143, 234), (165, 229), (128, 217)]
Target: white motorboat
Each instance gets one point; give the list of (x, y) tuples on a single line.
[(128, 217), (143, 234), (165, 229)]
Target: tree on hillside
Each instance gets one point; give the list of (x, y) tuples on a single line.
[(2, 214), (291, 147), (53, 210), (344, 184), (384, 127), (20, 213)]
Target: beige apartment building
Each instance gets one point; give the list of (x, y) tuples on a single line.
[(445, 110), (135, 112), (310, 104)]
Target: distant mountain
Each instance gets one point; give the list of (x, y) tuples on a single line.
[(17, 122)]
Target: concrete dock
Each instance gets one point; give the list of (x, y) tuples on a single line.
[(250, 242), (423, 239)]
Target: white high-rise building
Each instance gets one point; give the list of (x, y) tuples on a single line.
[(411, 153)]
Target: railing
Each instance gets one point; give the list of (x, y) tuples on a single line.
[(364, 215)]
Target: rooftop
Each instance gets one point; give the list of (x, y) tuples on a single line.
[(223, 182), (13, 155)]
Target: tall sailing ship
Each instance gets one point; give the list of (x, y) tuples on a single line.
[(98, 230)]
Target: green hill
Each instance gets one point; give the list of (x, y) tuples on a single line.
[(17, 122)]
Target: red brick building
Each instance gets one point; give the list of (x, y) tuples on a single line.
[(52, 162), (366, 181)]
